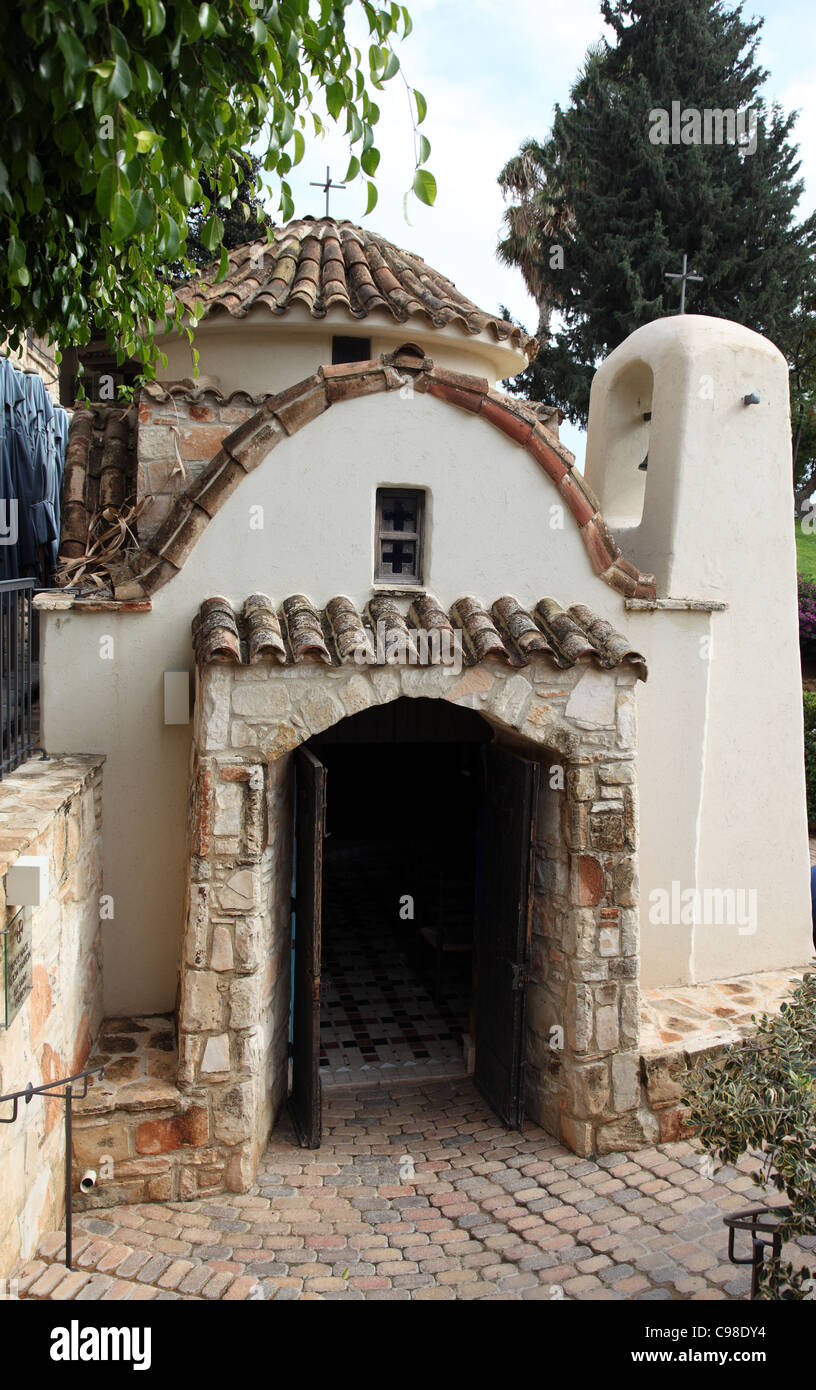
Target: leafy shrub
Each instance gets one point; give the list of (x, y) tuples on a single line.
[(761, 1100)]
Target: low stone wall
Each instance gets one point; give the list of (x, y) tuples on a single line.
[(144, 1141), (51, 809)]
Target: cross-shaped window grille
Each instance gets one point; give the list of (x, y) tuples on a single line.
[(398, 547)]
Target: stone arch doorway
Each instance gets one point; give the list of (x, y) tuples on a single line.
[(414, 870), (581, 1075)]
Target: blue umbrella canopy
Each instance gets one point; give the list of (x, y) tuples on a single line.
[(33, 434)]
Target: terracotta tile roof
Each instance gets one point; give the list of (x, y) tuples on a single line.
[(323, 264), (295, 631), (100, 469)]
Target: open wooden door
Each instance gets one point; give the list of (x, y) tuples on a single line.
[(503, 932), (310, 811)]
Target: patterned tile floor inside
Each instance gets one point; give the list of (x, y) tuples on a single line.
[(379, 1020), (420, 1193)]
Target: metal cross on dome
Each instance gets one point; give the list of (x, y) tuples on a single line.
[(683, 276), (327, 186)]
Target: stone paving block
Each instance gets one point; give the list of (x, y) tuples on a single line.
[(489, 1216), (97, 1285), (28, 1275), (48, 1281), (73, 1284)]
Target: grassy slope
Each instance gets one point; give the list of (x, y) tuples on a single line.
[(806, 553)]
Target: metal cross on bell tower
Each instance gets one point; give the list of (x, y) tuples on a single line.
[(327, 187), (683, 276)]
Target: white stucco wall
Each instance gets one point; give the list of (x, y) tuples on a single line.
[(261, 353), (705, 817), (717, 526)]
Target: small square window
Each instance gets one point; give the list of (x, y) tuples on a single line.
[(350, 350), (398, 543)]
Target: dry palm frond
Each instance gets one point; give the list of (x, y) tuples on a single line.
[(109, 534)]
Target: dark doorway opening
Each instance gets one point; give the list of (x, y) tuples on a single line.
[(412, 918)]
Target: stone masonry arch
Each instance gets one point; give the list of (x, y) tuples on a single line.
[(233, 1015)]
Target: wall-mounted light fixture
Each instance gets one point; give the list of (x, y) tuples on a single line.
[(177, 697), (27, 881), (752, 399)]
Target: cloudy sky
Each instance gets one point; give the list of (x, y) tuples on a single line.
[(491, 71)]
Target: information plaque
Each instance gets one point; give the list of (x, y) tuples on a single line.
[(16, 939)]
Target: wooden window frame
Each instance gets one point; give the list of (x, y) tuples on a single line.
[(382, 536)]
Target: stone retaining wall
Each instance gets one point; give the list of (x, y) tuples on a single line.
[(51, 809)]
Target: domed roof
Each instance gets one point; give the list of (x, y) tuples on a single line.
[(324, 264)]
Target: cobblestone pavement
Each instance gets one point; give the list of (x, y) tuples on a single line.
[(419, 1193)]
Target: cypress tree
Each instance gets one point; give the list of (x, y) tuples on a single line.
[(604, 208)]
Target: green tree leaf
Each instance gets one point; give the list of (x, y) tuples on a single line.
[(123, 217), (335, 99), (119, 83), (425, 186), (76, 58)]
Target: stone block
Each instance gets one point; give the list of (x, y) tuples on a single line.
[(579, 939), (579, 1017), (635, 1130), (664, 1077), (607, 1029), (221, 956), (625, 1081), (577, 1135), (244, 1001), (607, 830), (233, 1114), (238, 894), (588, 1090), (260, 699), (587, 880), (616, 774), (625, 878), (609, 941), (191, 1128), (90, 1143), (201, 1003), (216, 1057), (581, 783), (630, 1015), (673, 1124)]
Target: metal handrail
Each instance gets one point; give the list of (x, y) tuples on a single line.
[(18, 672), (27, 1094)]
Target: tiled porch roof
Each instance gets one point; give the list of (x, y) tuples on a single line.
[(295, 631), (324, 264)]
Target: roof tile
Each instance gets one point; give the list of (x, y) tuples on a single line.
[(325, 264), (297, 631)]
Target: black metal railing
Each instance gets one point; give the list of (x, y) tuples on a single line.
[(19, 673)]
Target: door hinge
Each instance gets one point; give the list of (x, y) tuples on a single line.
[(521, 976)]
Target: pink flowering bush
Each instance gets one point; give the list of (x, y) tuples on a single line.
[(807, 616)]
